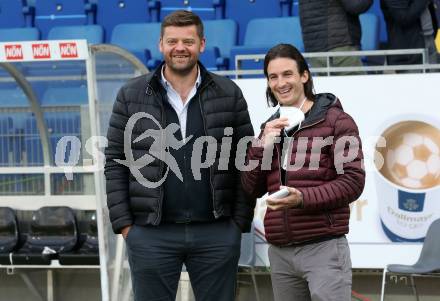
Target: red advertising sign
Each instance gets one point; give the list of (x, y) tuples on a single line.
[(13, 52), (68, 50), (41, 51)]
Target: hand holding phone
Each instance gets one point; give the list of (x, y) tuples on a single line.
[(286, 197)]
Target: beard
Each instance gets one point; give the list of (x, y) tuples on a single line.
[(179, 68)]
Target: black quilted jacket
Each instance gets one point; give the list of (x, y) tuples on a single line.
[(327, 24), (222, 105)]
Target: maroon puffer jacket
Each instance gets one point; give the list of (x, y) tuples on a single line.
[(327, 193)]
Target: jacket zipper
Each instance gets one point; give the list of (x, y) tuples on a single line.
[(286, 221), (308, 125), (161, 163), (215, 212)]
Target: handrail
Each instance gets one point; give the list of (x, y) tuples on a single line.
[(331, 69)]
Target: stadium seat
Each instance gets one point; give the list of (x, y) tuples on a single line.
[(9, 235), (221, 34), (19, 34), (87, 250), (428, 263), (141, 39), (51, 13), (209, 58), (15, 13), (94, 34), (59, 124), (295, 8), (52, 230), (13, 98), (206, 9), (262, 34), (286, 8), (244, 11), (6, 128), (65, 96), (110, 13)]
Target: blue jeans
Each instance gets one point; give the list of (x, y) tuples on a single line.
[(210, 252)]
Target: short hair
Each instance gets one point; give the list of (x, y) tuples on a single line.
[(182, 18), (290, 52)]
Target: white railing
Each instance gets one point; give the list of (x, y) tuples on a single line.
[(332, 70)]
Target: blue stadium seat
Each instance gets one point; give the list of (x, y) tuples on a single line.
[(15, 13), (65, 96), (295, 8), (206, 9), (210, 57), (370, 31), (13, 98), (286, 8), (243, 11), (12, 139), (94, 34), (59, 124), (221, 34), (51, 13), (141, 39), (5, 141), (19, 34), (263, 34), (113, 12)]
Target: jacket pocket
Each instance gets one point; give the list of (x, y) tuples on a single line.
[(330, 219)]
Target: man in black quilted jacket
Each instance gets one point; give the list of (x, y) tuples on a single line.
[(173, 190), (411, 24), (332, 25)]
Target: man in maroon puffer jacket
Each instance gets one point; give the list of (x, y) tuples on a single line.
[(309, 254)]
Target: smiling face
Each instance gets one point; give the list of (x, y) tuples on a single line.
[(285, 81), (181, 47)]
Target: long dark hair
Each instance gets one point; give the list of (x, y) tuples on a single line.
[(290, 52)]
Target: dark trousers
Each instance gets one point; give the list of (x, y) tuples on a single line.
[(210, 252)]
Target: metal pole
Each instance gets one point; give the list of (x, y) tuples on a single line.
[(98, 176), (49, 285)]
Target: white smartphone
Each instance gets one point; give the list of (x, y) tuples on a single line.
[(282, 193)]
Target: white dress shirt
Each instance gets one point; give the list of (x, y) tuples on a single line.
[(176, 101)]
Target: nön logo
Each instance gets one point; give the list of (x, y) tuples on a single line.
[(14, 52), (68, 50), (41, 51)]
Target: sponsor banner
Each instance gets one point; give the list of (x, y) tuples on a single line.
[(43, 51), (400, 199)]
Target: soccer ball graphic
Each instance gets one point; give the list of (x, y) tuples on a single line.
[(414, 162)]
